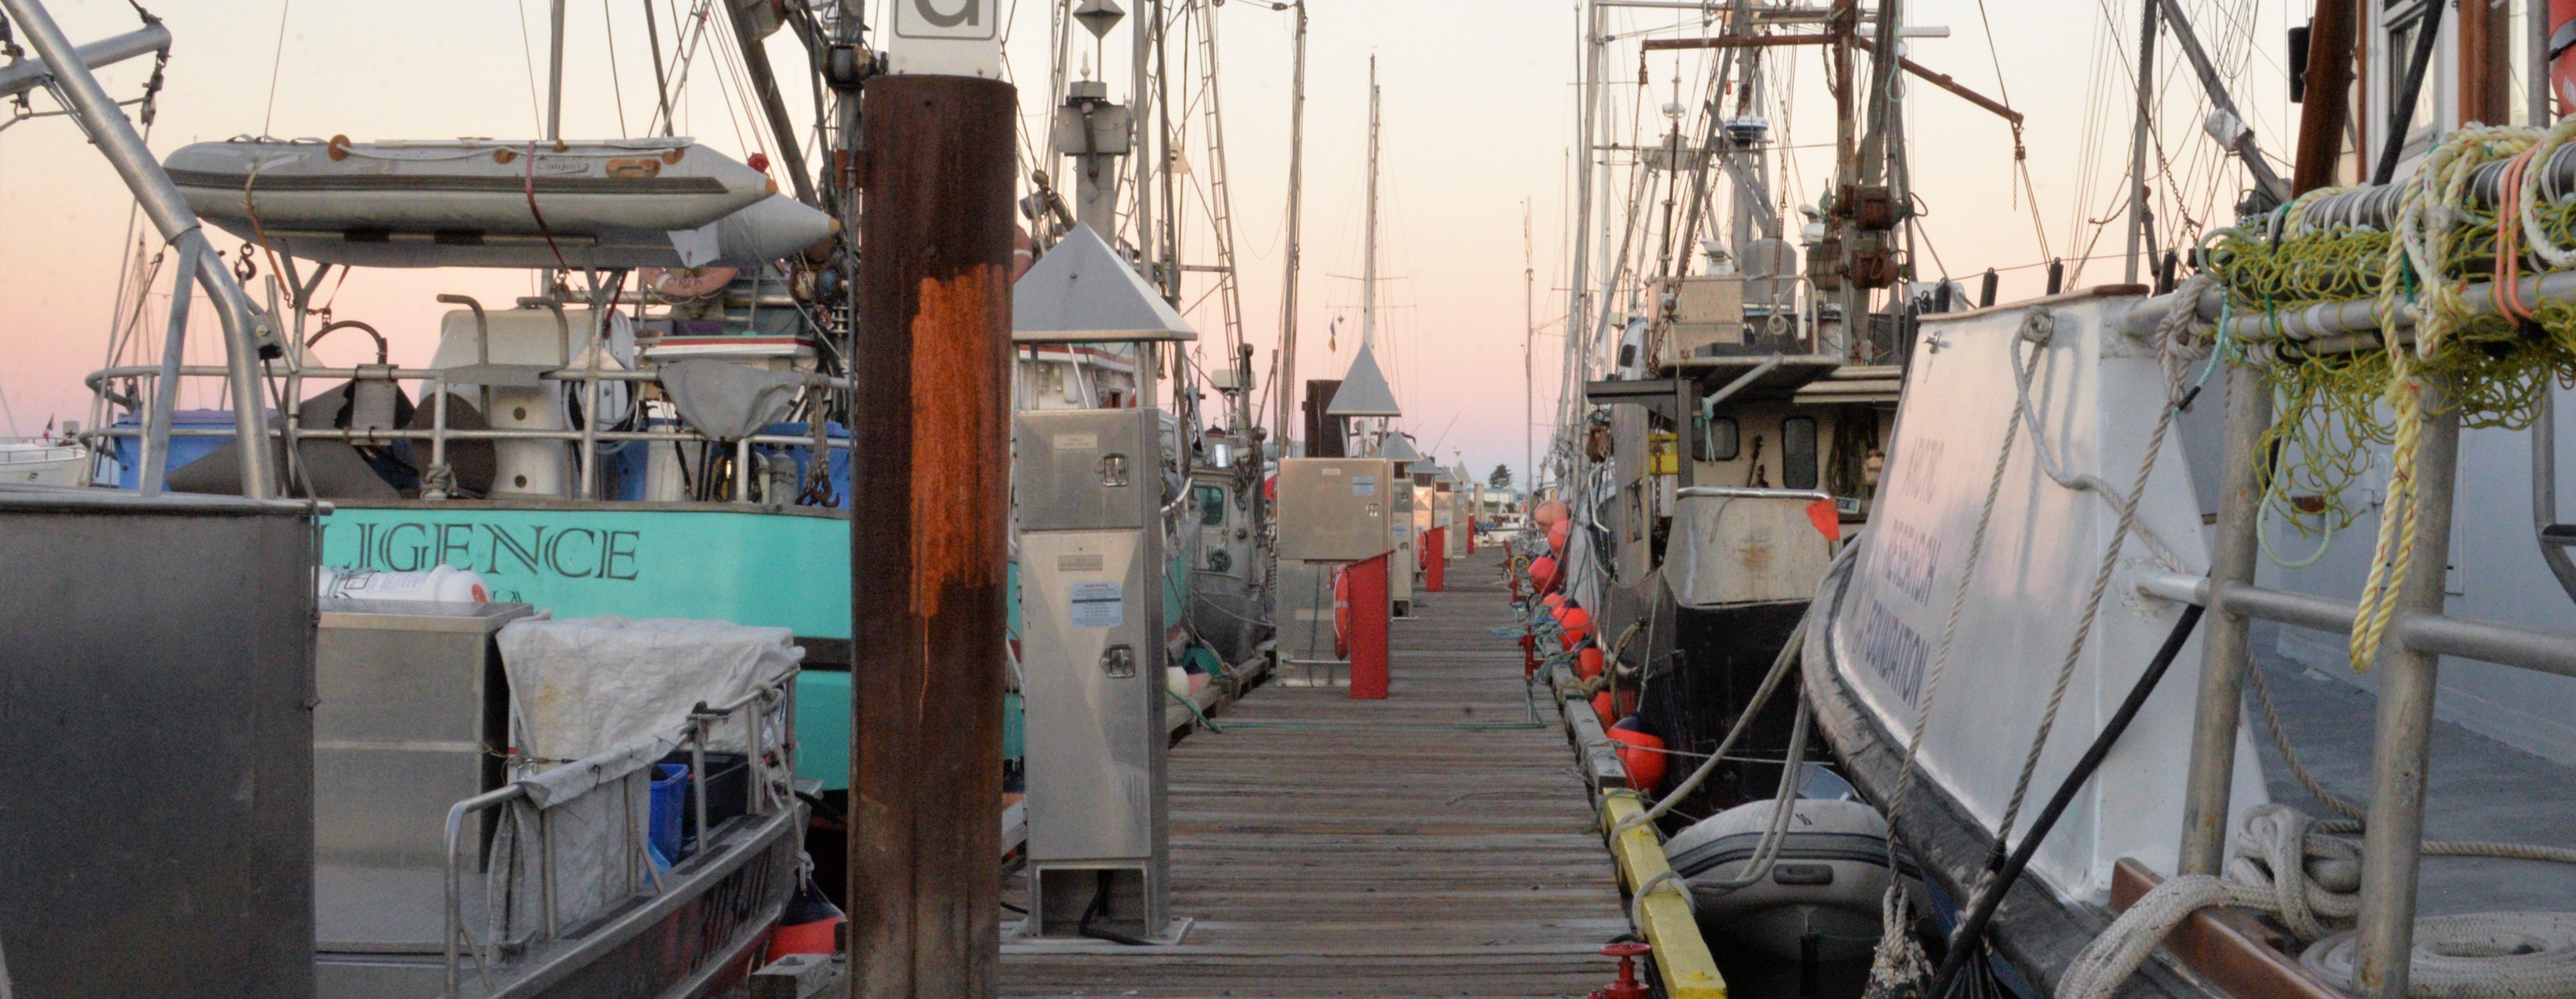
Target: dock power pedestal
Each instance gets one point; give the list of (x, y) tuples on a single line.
[(1089, 485)]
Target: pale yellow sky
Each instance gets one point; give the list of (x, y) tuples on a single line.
[(1478, 109)]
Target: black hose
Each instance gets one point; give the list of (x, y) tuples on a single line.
[(2401, 118), (1100, 907), (1965, 940)]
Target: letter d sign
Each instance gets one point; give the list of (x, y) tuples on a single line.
[(946, 38)]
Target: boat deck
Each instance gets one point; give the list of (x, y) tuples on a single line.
[(1327, 846), (2477, 788)]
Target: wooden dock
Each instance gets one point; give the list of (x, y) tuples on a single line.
[(1433, 843)]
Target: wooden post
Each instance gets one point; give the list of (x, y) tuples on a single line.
[(930, 474), (2331, 36)]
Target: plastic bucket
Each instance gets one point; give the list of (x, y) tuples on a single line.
[(670, 798)]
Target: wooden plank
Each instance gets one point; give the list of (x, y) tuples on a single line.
[(1397, 847), (2223, 945), (1689, 970)]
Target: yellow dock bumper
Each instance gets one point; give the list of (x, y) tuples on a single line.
[(1681, 956)]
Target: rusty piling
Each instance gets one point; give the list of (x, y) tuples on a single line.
[(930, 475)]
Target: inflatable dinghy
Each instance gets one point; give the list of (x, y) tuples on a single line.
[(1824, 885), (468, 203), (476, 186)]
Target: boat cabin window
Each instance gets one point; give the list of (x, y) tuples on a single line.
[(1719, 439), (1798, 453), (1211, 506)]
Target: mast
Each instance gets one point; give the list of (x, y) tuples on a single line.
[(2138, 192), (554, 75), (1170, 280), (1368, 252), (1578, 312), (1288, 292), (1142, 73), (1220, 194), (764, 85), (1529, 351)]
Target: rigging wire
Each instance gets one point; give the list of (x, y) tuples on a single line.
[(528, 54), (616, 82), (276, 61)]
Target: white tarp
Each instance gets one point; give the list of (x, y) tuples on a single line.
[(1733, 546), (583, 686)]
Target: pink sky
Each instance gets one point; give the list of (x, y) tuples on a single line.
[(1477, 122)]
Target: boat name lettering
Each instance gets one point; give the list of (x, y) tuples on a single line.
[(1894, 650), (1918, 469), (1907, 558), (495, 550)]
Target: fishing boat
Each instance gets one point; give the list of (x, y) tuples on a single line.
[(1997, 624)]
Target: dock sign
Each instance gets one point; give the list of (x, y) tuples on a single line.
[(946, 38)]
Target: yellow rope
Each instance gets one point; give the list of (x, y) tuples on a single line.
[(2335, 409)]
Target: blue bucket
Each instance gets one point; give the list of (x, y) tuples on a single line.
[(670, 794)]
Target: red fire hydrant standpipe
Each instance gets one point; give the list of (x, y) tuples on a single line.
[(1627, 987), (1435, 560), (1368, 616)]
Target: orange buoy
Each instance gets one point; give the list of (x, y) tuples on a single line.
[(806, 926), (1552, 601), (1601, 708), (1543, 574), (1578, 626), (1551, 513), (1642, 753), (1558, 535), (1588, 664)]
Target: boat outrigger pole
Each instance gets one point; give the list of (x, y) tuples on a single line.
[(244, 328)]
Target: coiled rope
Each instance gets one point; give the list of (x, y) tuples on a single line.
[(2273, 867)]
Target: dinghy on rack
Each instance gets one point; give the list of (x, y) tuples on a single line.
[(487, 203)]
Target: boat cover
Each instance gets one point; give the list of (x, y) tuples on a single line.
[(583, 686)]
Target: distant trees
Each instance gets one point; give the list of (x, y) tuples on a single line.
[(1502, 477)]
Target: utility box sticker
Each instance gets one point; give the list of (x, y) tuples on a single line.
[(1363, 485), (1098, 605)]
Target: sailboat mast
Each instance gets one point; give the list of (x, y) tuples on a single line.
[(1287, 428), (554, 75), (1368, 257)]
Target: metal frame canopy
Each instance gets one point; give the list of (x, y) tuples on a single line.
[(1363, 391), (1081, 292)]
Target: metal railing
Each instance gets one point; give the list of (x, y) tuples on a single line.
[(2393, 829), (149, 402), (766, 714)]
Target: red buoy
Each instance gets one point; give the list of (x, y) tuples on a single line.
[(1588, 664), (1641, 753)]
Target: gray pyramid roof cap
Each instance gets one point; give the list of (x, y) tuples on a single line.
[(1363, 391), (1082, 293), (1398, 448)]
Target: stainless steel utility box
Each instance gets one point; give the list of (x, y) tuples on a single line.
[(1707, 310), (1406, 546), (1083, 469), (1334, 509), (156, 690), (413, 717), (1092, 663)]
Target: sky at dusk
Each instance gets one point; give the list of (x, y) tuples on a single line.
[(1477, 136)]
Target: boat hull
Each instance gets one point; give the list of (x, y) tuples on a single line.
[(702, 936)]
